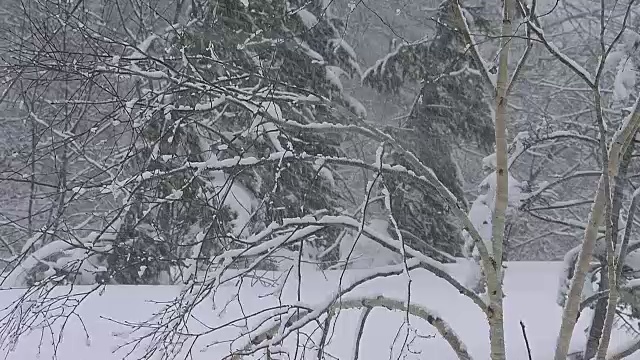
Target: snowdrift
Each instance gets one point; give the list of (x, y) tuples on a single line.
[(106, 317)]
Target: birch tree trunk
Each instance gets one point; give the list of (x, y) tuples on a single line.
[(619, 144), (600, 310), (612, 273), (494, 283), (597, 320)]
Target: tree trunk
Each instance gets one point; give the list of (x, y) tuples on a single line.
[(619, 144), (612, 276), (600, 310), (597, 321), (494, 283)]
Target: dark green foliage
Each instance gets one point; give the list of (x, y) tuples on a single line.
[(154, 232), (268, 62), (451, 107), (296, 50)]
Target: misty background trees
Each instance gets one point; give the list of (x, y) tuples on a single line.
[(200, 142)]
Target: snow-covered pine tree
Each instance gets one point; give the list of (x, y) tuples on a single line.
[(247, 67), (450, 106)]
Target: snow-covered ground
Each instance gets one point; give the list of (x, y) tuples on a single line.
[(530, 297)]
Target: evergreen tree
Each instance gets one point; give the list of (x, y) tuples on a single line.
[(245, 67), (451, 106)]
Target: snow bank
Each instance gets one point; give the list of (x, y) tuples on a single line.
[(530, 291)]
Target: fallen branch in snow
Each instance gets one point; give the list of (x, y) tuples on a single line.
[(275, 325), (270, 336), (420, 311)]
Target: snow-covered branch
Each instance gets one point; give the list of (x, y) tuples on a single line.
[(417, 310), (534, 26), (472, 44), (618, 145), (273, 336), (310, 224)]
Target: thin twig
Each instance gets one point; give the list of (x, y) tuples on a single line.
[(526, 340)]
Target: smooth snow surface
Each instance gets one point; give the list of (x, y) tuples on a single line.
[(530, 297)]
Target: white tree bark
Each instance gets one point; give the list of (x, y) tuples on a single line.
[(621, 140), (611, 175), (608, 175), (494, 279)]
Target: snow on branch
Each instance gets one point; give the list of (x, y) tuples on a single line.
[(435, 320), (618, 145), (274, 332), (624, 351), (471, 44), (424, 174), (547, 186), (534, 26), (307, 225), (75, 248), (427, 177)]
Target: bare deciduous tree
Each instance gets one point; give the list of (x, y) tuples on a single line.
[(200, 143)]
